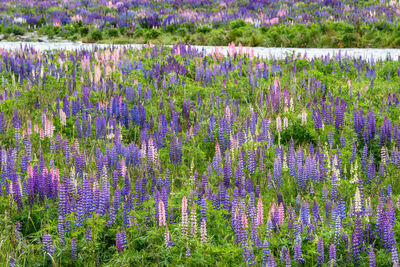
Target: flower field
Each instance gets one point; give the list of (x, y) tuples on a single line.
[(272, 23), (170, 156)]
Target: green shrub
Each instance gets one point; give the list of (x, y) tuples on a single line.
[(96, 35), (181, 32), (84, 31), (237, 24), (152, 34), (74, 37), (17, 30), (203, 29), (113, 32)]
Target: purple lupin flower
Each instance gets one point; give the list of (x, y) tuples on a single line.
[(371, 169), (315, 211), (320, 251), (317, 119), (291, 159), (342, 141), (355, 248), (332, 255), (284, 251), (265, 253), (305, 212), (288, 260), (203, 209), (359, 230), (16, 188), (395, 256), (338, 229), (278, 172), (227, 170), (339, 117), (297, 253), (217, 159), (111, 220), (248, 253), (353, 152), (2, 123), (18, 234), (73, 248), (12, 262), (118, 241), (371, 256), (88, 234), (61, 230), (371, 126), (47, 244)]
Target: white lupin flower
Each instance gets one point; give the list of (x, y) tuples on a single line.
[(19, 20), (291, 104), (357, 201)]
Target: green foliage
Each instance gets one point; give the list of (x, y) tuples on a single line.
[(203, 29), (84, 31), (237, 24), (181, 32), (145, 244), (96, 35), (151, 34), (15, 29), (301, 135), (113, 33)]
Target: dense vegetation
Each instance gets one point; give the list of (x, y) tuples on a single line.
[(288, 23), (169, 156)]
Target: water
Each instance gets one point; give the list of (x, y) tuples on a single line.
[(264, 52)]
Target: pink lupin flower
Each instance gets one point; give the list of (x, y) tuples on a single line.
[(193, 222), (63, 118), (304, 117), (234, 143), (277, 83), (56, 23), (281, 214), (29, 127), (30, 171), (44, 172), (97, 74), (161, 215), (184, 217), (260, 212), (279, 124), (167, 236), (123, 168), (152, 150), (285, 122), (46, 128), (203, 231), (77, 18), (143, 149), (271, 210), (244, 221), (41, 134), (232, 48)]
